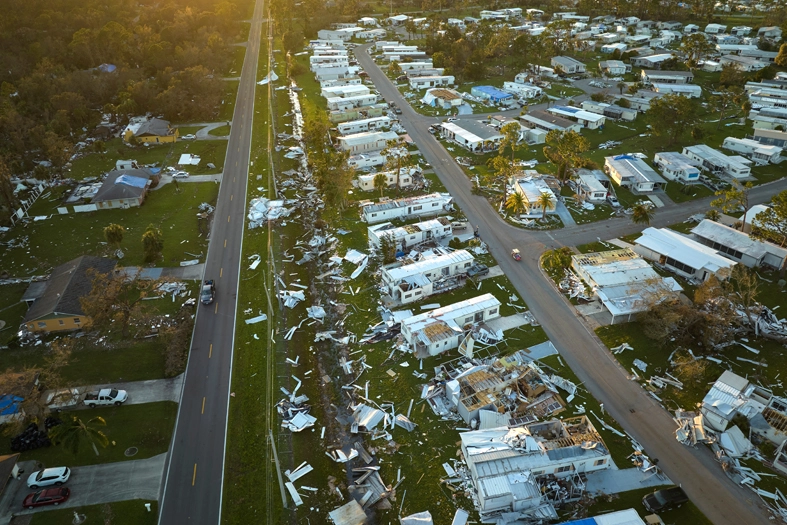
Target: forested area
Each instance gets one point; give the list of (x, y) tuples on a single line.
[(65, 63)]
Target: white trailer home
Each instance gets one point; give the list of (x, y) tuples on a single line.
[(413, 282), (760, 153), (718, 163), (364, 125), (344, 91), (677, 166), (522, 90), (404, 237), (437, 331), (427, 82), (388, 210), (366, 142), (404, 178), (340, 104)]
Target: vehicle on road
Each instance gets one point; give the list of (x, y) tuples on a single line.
[(208, 292), (516, 255), (397, 111), (48, 476), (432, 130), (190, 136), (64, 398), (478, 270), (452, 119), (665, 499), (46, 497), (180, 175), (105, 396)]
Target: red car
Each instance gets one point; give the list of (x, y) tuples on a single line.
[(53, 496)]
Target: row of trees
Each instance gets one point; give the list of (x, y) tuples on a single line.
[(152, 240)]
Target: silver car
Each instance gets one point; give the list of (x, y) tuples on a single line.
[(49, 476)]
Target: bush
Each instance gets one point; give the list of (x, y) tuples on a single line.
[(178, 341), (455, 243)]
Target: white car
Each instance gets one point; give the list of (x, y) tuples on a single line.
[(452, 119), (190, 136), (180, 175), (49, 476)]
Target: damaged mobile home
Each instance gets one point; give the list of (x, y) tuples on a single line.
[(407, 283)]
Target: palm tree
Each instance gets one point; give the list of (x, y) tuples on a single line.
[(516, 204), (72, 433), (380, 182), (642, 214), (621, 86), (546, 202)]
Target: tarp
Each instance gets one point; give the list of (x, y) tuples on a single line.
[(9, 404), (420, 518), (130, 180)]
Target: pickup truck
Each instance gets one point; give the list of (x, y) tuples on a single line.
[(208, 292), (105, 396), (477, 270)]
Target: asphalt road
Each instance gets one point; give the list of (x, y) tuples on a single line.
[(195, 472), (722, 501)]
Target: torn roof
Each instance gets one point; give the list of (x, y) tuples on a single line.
[(451, 312), (431, 263)]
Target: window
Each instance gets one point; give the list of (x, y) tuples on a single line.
[(680, 266), (407, 296), (537, 472), (374, 215), (599, 462), (568, 468), (434, 204), (41, 324), (468, 265), (418, 292), (77, 320), (417, 208), (468, 319), (493, 311), (61, 322)]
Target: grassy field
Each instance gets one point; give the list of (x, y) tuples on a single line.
[(131, 512), (64, 237), (228, 103), (147, 427)]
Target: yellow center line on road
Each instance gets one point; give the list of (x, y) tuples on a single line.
[(210, 352), (221, 272), (194, 476), (228, 218), (203, 405), (232, 196), (216, 310), (225, 243)]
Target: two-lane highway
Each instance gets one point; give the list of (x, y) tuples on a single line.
[(195, 471), (722, 501)]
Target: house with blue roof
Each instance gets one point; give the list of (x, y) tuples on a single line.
[(492, 94), (125, 188)]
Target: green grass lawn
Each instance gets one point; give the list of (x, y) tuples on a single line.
[(132, 512), (561, 90), (64, 237), (185, 130), (127, 361), (688, 513), (221, 131), (147, 427), (682, 193), (228, 103), (210, 152)]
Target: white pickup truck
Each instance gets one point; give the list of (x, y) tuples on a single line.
[(71, 397), (105, 396)]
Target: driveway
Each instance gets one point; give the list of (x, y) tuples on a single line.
[(97, 484), (140, 392)]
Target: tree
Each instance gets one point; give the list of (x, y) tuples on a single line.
[(516, 204), (713, 215), (73, 433), (781, 58), (394, 68), (503, 171), (671, 116), (598, 97), (557, 259), (731, 75), (641, 214), (733, 199), (380, 181), (624, 103), (621, 86), (113, 233), (771, 224), (115, 301), (724, 99), (546, 202), (8, 198), (565, 148), (695, 46), (152, 243)]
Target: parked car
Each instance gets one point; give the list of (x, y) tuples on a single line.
[(46, 497), (459, 225), (48, 476), (190, 136), (478, 270), (105, 396), (665, 499), (180, 175), (208, 292), (613, 201)]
